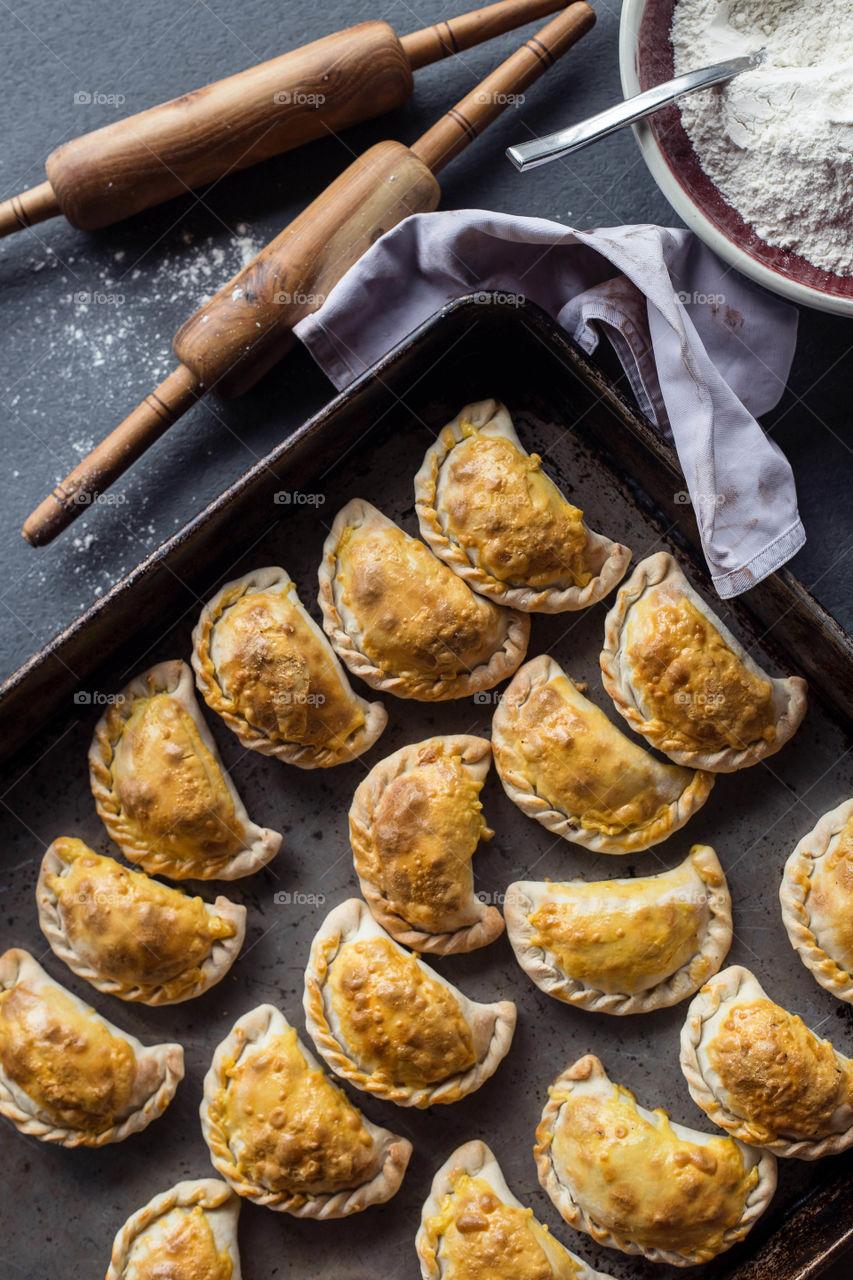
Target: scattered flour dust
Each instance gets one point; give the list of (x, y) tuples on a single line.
[(777, 141), (122, 317)]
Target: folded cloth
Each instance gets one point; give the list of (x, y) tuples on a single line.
[(704, 350)]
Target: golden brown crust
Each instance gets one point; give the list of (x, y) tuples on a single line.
[(207, 836), (156, 1070), (214, 1199), (564, 764), (644, 936), (491, 1026), (704, 726), (668, 1193), (481, 518), (498, 1231), (774, 1067), (816, 894), (130, 936), (405, 623), (292, 699), (380, 1158), (415, 822)]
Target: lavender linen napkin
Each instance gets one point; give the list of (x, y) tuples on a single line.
[(704, 350)]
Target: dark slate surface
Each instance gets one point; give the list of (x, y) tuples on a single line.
[(71, 369)]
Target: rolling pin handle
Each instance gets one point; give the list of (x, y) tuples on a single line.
[(30, 207), (113, 456)]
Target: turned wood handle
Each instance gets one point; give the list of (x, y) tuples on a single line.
[(482, 105), (315, 90), (469, 29), (112, 457), (28, 208)]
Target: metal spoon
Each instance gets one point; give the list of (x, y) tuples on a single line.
[(527, 155)]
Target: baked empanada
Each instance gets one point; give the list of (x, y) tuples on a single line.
[(817, 901), (761, 1074), (563, 763), (414, 824), (69, 1076), (282, 1135), (473, 1228), (186, 1233), (682, 680), (623, 946), (264, 665), (391, 1025), (129, 935), (488, 511), (404, 622), (635, 1180), (162, 791)]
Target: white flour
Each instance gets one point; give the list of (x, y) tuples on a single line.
[(777, 141)]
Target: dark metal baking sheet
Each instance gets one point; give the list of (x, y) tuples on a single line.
[(61, 1208)]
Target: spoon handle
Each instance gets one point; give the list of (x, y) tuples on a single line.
[(527, 155)]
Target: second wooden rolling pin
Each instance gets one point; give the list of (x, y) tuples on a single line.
[(319, 88), (246, 327)]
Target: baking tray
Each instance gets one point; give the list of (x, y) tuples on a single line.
[(61, 1208)]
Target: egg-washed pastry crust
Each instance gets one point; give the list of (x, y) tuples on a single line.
[(117, 918), (475, 1165), (680, 917), (443, 654), (384, 1163), (584, 745), (349, 735), (738, 716), (478, 1036), (138, 1095), (745, 1178), (220, 1208), (242, 847), (816, 894), (544, 520), (791, 1071), (404, 834)]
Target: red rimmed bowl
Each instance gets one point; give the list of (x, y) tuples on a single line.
[(645, 60)]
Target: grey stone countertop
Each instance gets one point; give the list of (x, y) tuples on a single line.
[(87, 318)]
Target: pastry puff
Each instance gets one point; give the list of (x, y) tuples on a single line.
[(404, 622), (759, 1073), (563, 763), (682, 680), (110, 1085), (635, 1180), (189, 1230), (488, 511), (623, 946), (817, 901), (263, 664), (472, 1225), (283, 1136), (391, 1025), (162, 791), (129, 935), (415, 822)]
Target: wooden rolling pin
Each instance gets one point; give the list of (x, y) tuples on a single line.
[(320, 88), (246, 327)]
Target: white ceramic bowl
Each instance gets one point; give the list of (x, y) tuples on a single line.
[(645, 59)]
